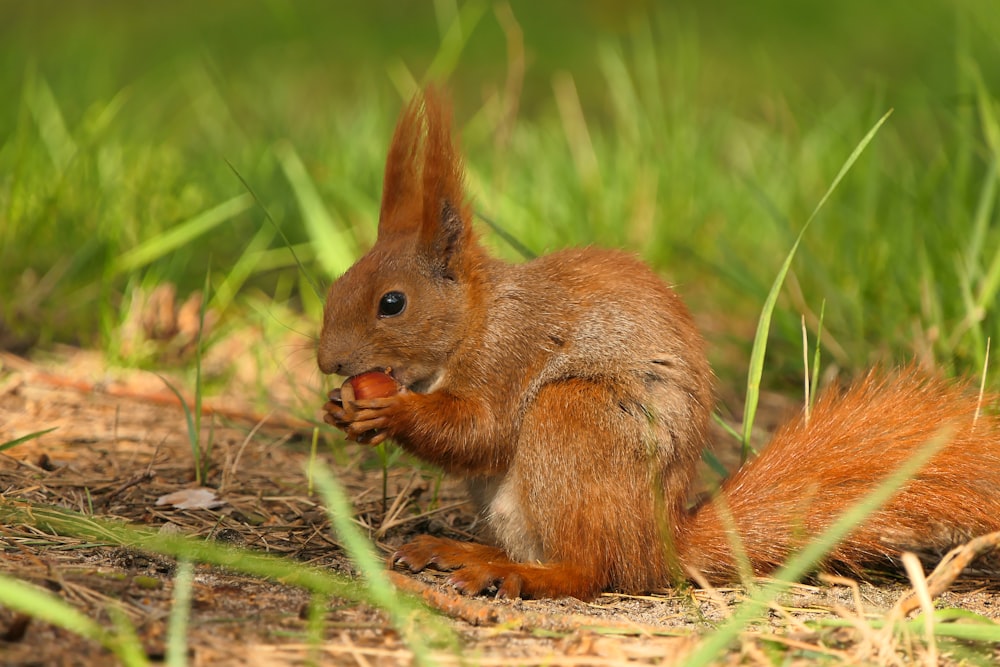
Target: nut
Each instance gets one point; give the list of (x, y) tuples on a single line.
[(373, 384)]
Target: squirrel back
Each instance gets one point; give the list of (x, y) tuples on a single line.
[(573, 393)]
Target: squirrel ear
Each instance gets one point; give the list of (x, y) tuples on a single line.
[(423, 190), (446, 224)]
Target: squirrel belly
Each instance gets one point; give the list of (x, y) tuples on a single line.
[(574, 394)]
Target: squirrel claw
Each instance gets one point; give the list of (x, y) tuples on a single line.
[(412, 559), (466, 586), (475, 578), (334, 410), (400, 557), (426, 550), (511, 587)]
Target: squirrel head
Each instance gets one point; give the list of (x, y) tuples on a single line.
[(409, 302)]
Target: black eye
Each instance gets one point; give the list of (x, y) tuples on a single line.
[(391, 304)]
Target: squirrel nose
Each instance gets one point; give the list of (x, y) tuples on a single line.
[(329, 368), (327, 362)]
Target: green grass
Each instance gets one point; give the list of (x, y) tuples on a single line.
[(10, 444), (417, 625), (45, 606), (679, 134)]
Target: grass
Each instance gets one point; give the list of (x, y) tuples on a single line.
[(412, 620), (120, 178), (45, 606), (699, 139), (10, 444)]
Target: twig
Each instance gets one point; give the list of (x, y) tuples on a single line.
[(944, 575), (127, 484), (710, 591)]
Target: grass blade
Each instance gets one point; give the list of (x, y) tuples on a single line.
[(51, 124), (25, 438), (814, 386), (335, 248), (454, 40), (204, 453), (43, 605), (248, 262), (127, 645), (180, 610), (288, 244), (950, 623), (407, 614), (357, 546), (511, 240), (383, 593), (66, 522), (180, 235), (193, 431), (40, 604), (764, 323)]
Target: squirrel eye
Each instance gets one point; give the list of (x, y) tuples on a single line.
[(391, 304)]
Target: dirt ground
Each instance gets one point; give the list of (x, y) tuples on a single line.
[(121, 444)]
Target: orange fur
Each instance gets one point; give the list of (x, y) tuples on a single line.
[(812, 471), (573, 393)]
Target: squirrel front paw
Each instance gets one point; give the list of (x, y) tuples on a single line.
[(370, 420), (363, 406), (333, 410)]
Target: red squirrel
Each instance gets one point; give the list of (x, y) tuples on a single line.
[(573, 394)]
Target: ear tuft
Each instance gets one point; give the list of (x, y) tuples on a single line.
[(400, 186), (424, 190)]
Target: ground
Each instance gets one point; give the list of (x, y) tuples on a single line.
[(121, 445)]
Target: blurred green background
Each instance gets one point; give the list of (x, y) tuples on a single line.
[(699, 134)]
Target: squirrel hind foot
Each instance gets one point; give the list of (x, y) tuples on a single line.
[(441, 553), (478, 568)]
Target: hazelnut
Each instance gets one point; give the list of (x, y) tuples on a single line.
[(373, 384)]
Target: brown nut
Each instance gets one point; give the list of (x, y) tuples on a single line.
[(373, 384)]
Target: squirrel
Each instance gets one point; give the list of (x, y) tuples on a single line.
[(573, 393)]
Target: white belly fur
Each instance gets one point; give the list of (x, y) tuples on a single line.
[(500, 505)]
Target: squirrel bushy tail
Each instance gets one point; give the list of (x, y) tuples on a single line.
[(815, 469)]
